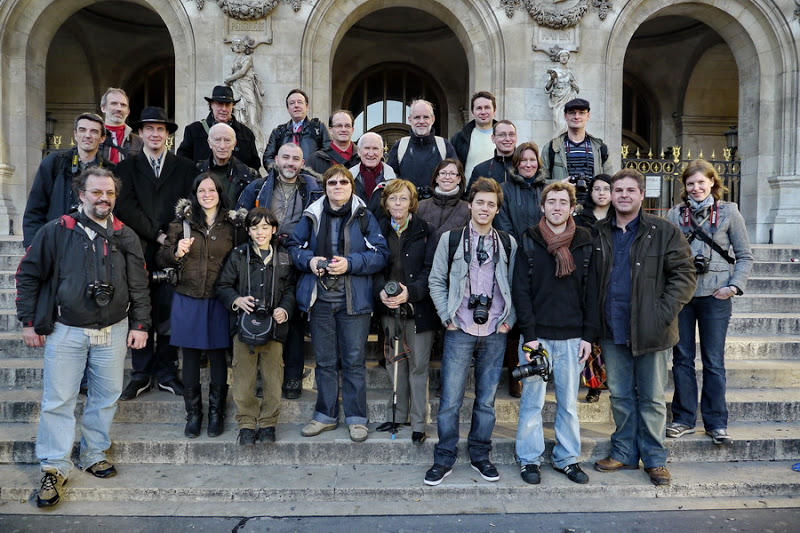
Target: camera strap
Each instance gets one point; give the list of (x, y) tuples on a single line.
[(100, 255), (274, 277), (697, 231), (468, 256)]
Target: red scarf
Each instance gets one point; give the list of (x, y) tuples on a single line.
[(370, 177), (119, 133), (558, 245)]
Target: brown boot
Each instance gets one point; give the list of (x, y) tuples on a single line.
[(659, 475)]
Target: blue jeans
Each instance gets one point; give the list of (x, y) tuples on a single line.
[(566, 376), (459, 349), (711, 317), (336, 334), (66, 354), (637, 404)]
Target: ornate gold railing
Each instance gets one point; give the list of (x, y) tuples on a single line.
[(668, 166)]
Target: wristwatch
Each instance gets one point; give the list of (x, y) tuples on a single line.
[(735, 289)]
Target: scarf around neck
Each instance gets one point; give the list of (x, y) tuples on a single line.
[(558, 245), (326, 224)]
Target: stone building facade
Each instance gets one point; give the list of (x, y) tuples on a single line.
[(659, 73)]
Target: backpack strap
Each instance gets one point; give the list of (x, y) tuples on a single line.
[(402, 147), (441, 146), (551, 157)]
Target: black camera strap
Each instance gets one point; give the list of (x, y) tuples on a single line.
[(697, 231), (468, 256), (100, 255)]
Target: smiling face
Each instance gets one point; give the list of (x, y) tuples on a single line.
[(370, 150), (483, 111), (557, 209), (448, 178), (421, 119), (207, 194), (483, 208), (338, 189), (297, 106), (289, 161), (98, 197), (116, 110), (576, 119), (601, 193), (528, 164), (505, 139), (698, 186), (262, 233), (341, 129), (154, 135), (88, 135), (626, 197)]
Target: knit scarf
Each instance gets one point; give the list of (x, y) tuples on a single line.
[(558, 245), (118, 132), (699, 207), (325, 227)]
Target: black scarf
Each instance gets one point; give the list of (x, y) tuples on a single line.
[(326, 250)]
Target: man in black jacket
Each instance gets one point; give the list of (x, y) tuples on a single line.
[(121, 140), (82, 294), (233, 174), (308, 133), (555, 312), (500, 166), (195, 136), (51, 194), (341, 151), (473, 143), (152, 182)]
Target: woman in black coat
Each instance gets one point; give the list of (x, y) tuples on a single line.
[(408, 312)]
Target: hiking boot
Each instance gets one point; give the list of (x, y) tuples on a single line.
[(609, 464), (265, 435), (50, 491), (292, 389), (659, 475), (247, 437), (102, 469)]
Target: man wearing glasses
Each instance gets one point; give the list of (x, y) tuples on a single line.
[(575, 154), (341, 151), (504, 137)]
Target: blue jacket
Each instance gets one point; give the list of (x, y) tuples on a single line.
[(366, 252)]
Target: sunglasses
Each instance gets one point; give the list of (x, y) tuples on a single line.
[(332, 183)]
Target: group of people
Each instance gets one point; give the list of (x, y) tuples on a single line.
[(136, 247)]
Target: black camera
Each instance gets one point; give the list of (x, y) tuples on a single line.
[(583, 184), (323, 264), (423, 193), (392, 289), (480, 304), (100, 292), (168, 275), (701, 263), (261, 310), (539, 365)]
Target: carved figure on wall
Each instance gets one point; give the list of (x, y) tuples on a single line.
[(247, 85), (561, 87)]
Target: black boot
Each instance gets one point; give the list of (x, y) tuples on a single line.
[(194, 411), (217, 398)]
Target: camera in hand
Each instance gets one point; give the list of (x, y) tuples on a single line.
[(480, 305), (323, 264), (168, 275), (539, 365), (701, 263), (392, 289), (100, 293), (261, 310)]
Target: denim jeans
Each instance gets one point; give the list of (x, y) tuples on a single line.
[(637, 404), (334, 335), (711, 317), (566, 376), (66, 354), (459, 349)]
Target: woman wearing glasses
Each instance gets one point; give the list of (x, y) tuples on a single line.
[(337, 246), (446, 210)]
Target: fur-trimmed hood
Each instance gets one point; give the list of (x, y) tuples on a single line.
[(183, 211)]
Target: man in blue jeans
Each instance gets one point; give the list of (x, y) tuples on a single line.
[(469, 285), (554, 311), (645, 275)]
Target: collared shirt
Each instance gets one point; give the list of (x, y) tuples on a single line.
[(481, 281), (346, 154), (617, 306)]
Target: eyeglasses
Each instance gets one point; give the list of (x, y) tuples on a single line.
[(342, 182), (506, 136), (96, 193), (342, 126), (446, 174), (577, 112)]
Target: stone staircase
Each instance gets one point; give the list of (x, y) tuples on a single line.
[(161, 472)]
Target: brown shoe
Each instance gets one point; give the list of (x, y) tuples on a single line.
[(514, 387), (610, 464), (659, 475)]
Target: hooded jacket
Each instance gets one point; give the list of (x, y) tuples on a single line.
[(259, 192), (521, 207)]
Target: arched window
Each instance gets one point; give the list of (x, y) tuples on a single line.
[(379, 98), (638, 128), (153, 86)]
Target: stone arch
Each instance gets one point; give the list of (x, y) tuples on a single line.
[(473, 21), (766, 56), (28, 28)]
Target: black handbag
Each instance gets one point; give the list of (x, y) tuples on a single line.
[(257, 328)]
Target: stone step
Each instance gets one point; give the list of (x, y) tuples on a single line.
[(764, 323), (7, 279), (744, 405), (10, 262), (767, 303), (11, 245), (775, 252), (165, 444), (776, 268), (27, 373), (356, 488), (785, 285)]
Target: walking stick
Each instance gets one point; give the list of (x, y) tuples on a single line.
[(396, 350)]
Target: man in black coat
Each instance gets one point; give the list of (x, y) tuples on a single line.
[(342, 150), (195, 136), (152, 182)]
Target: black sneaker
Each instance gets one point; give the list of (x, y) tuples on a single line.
[(102, 469), (265, 435), (486, 469), (247, 436), (436, 474), (574, 473), (50, 492), (292, 389), (172, 385), (530, 474), (135, 388)]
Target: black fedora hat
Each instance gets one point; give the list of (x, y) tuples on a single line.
[(222, 93), (154, 114)]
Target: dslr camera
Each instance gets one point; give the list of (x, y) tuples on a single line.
[(701, 263), (261, 310), (100, 293), (539, 365), (392, 289), (480, 305), (168, 275)]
